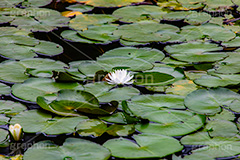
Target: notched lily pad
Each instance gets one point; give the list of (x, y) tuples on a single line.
[(72, 148), (109, 3), (210, 101), (146, 146)]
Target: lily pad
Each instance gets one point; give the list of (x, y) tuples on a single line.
[(148, 54), (143, 104), (229, 65), (3, 137), (213, 100), (221, 128), (109, 3), (146, 32), (104, 93), (182, 87), (10, 108), (146, 146), (92, 127), (139, 13), (131, 63), (80, 8), (209, 30), (72, 148), (33, 121), (216, 147), (4, 89), (82, 22), (218, 80), (34, 87), (120, 130), (196, 52), (4, 120), (170, 122)]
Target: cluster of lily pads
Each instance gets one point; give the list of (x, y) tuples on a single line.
[(172, 85)]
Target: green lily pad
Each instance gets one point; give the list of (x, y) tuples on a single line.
[(71, 35), (4, 89), (221, 128), (33, 121), (215, 147), (131, 63), (83, 21), (170, 122), (10, 108), (208, 30), (143, 104), (121, 130), (229, 65), (182, 88), (146, 146), (235, 106), (3, 137), (89, 67), (118, 118), (79, 101), (109, 3), (191, 17), (72, 148), (19, 71), (36, 3), (196, 52), (224, 115), (195, 156), (213, 100), (233, 43), (13, 31), (103, 33), (4, 120), (104, 93), (218, 80), (152, 78), (34, 87), (139, 13), (80, 8), (146, 32), (21, 47), (36, 19), (93, 127), (148, 54)]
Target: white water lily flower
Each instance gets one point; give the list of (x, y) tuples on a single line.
[(120, 76), (16, 131)]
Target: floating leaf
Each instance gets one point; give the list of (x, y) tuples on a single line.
[(82, 22), (11, 108), (34, 121), (72, 148), (196, 52), (143, 104), (218, 80), (120, 130), (131, 63), (139, 13), (146, 32), (3, 137), (4, 89), (146, 146), (104, 93), (209, 101), (93, 127), (34, 87), (214, 147), (109, 3), (229, 65), (170, 122), (148, 54), (3, 120), (182, 87)]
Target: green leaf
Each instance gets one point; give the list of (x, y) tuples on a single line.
[(34, 87), (146, 146), (196, 52), (72, 148), (170, 122), (142, 104), (33, 121), (210, 101), (109, 3), (10, 108)]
